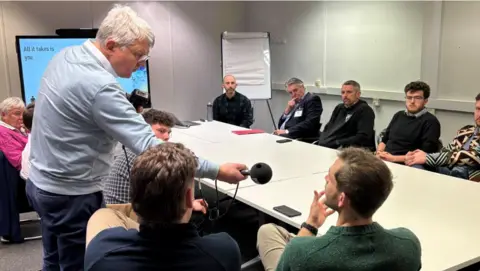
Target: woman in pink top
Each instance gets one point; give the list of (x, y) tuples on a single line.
[(12, 136)]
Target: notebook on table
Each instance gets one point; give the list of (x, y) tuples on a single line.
[(248, 132)]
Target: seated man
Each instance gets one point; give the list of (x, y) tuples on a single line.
[(13, 137), (162, 190), (411, 129), (233, 107), (117, 184), (301, 118), (357, 185), (27, 122), (460, 158), (351, 123)]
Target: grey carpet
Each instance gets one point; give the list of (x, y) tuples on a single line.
[(26, 256)]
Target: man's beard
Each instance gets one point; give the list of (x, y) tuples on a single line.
[(332, 202)]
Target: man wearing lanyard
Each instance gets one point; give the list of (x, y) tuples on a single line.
[(81, 112), (301, 118)]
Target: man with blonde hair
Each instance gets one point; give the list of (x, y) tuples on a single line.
[(80, 114)]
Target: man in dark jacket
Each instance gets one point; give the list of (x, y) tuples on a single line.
[(351, 123), (301, 118)]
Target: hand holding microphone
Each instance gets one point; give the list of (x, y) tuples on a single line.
[(232, 173)]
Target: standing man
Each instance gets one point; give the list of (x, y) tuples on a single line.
[(233, 107), (81, 113), (301, 118)]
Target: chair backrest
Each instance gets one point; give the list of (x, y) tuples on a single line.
[(10, 176)]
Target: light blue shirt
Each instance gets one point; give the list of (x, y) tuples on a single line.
[(80, 114)]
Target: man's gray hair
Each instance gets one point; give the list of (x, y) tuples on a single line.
[(294, 81), (11, 103), (123, 25)]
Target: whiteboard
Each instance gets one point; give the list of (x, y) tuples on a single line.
[(246, 56)]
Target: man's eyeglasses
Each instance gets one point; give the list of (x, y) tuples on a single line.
[(416, 98), (139, 57)]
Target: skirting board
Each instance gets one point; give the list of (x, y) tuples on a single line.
[(439, 104)]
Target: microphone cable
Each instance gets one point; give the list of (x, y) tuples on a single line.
[(128, 162), (214, 212)]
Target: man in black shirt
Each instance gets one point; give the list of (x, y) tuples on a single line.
[(411, 129), (233, 107), (351, 123), (162, 192)]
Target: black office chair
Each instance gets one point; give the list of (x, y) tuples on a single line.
[(311, 139), (13, 202)]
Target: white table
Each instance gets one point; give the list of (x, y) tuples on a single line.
[(288, 160), (212, 131), (441, 210), (216, 142)]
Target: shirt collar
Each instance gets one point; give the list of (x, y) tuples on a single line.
[(6, 125), (168, 231), (100, 57), (10, 127), (418, 114)]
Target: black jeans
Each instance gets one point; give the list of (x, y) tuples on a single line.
[(64, 225)]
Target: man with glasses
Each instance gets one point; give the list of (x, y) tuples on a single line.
[(117, 183), (460, 158), (80, 114), (412, 128)]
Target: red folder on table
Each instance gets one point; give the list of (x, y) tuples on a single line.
[(248, 132)]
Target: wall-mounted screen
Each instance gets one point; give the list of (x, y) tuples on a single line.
[(35, 52)]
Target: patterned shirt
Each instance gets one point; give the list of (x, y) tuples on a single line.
[(236, 111), (455, 155), (117, 184)]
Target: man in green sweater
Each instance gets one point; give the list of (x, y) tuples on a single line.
[(357, 184)]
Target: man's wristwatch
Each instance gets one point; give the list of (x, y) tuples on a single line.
[(310, 228), (286, 132)]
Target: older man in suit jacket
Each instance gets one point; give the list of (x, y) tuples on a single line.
[(301, 118)]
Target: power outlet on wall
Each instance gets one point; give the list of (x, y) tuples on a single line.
[(376, 102), (318, 83)]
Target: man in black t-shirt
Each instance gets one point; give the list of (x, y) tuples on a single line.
[(411, 129)]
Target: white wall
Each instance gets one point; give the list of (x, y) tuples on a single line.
[(185, 68), (382, 44)]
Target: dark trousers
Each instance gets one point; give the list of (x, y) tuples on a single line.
[(241, 222), (64, 225), (457, 171)]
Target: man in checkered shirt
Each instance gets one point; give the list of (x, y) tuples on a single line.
[(233, 107), (117, 184)]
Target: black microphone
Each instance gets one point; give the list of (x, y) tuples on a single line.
[(260, 173)]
